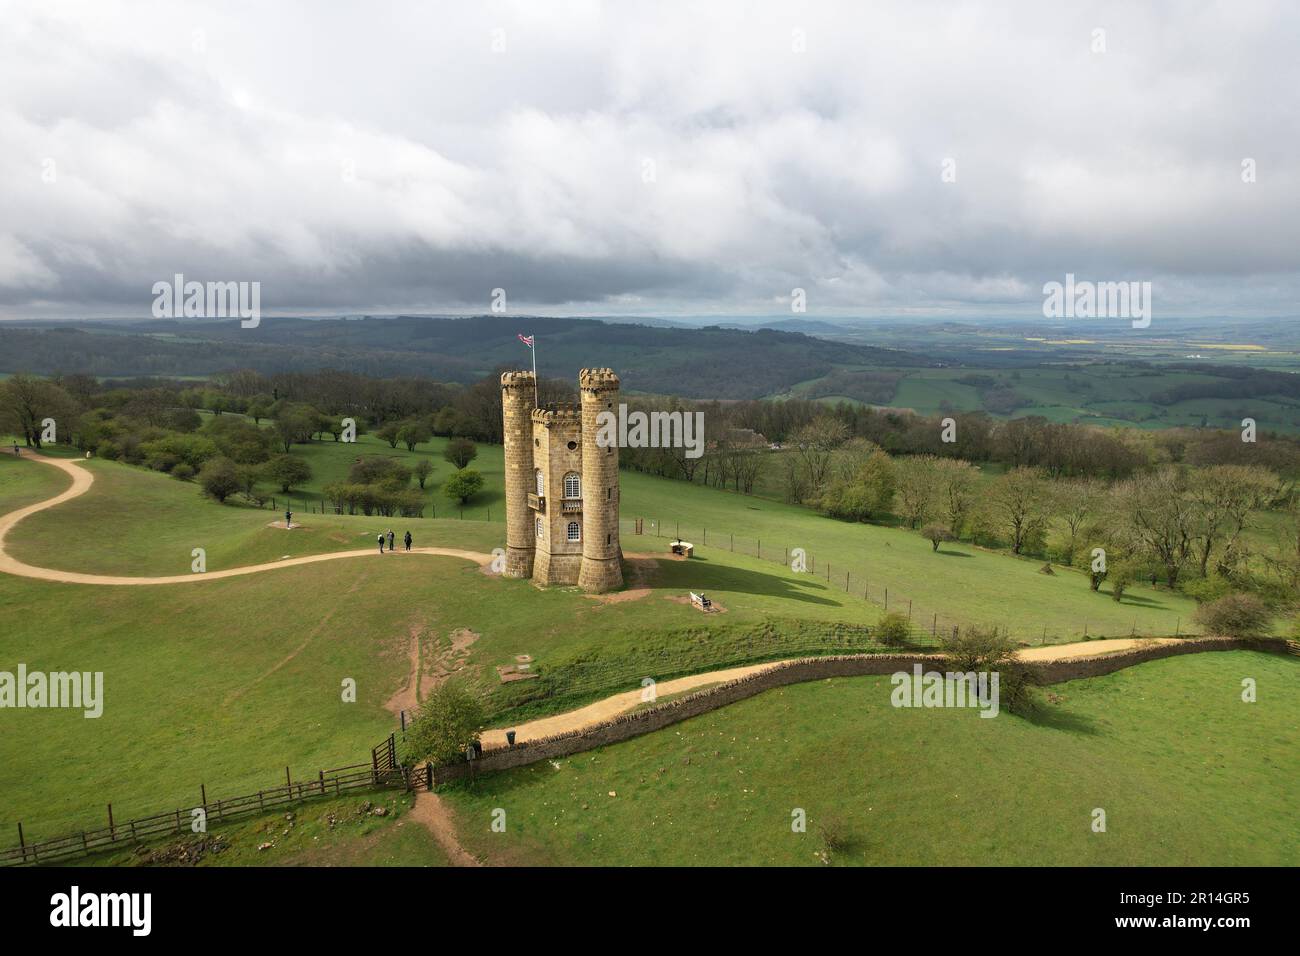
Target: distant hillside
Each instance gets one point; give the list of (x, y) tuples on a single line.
[(709, 362)]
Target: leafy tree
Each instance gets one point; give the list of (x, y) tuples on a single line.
[(423, 469), (26, 401), (1122, 575), (414, 433), (936, 534), (391, 433), (220, 478), (463, 485), (917, 487), (446, 725), (955, 482), (1154, 513), (287, 471), (295, 423), (460, 452), (1018, 504)]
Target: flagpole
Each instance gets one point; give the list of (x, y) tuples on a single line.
[(533, 348)]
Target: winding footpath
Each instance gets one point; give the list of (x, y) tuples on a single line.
[(81, 482), (580, 719)]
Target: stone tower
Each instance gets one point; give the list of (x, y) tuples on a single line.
[(602, 556), (561, 487), (517, 391)]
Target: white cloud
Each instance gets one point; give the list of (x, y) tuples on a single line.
[(359, 158)]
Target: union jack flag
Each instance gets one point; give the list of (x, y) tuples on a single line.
[(526, 339)]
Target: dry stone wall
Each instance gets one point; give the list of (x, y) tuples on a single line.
[(783, 674)]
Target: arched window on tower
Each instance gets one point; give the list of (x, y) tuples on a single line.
[(541, 484), (540, 526), (575, 533), (572, 485)]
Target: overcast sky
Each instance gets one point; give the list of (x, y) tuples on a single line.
[(647, 157)]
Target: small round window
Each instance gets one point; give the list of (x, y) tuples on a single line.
[(572, 445)]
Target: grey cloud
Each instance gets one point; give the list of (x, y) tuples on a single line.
[(358, 159)]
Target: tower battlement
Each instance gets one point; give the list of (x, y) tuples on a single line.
[(558, 413), (562, 489), (598, 379), (518, 380)]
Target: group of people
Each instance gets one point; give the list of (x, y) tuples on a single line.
[(391, 539)]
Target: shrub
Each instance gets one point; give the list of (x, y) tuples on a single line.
[(936, 534), (460, 452), (448, 722), (183, 471), (1121, 577), (1235, 615), (463, 485), (975, 648), (220, 478), (1207, 589), (379, 471), (287, 471), (893, 629)]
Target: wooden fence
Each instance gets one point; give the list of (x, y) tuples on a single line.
[(383, 770)]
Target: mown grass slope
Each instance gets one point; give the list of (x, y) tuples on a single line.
[(1186, 773)]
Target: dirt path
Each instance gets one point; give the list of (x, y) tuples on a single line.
[(432, 814), (1057, 652), (81, 482), (603, 710)]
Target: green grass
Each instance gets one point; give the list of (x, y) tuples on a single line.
[(331, 832), (1186, 773), (154, 522), (224, 682)]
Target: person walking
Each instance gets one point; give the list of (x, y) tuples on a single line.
[(392, 540), (381, 542), (406, 539)]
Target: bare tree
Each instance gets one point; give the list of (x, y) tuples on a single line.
[(916, 487), (1019, 503), (1077, 504), (1155, 512), (956, 480), (1223, 499)]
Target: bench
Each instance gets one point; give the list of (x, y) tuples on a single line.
[(684, 548), (700, 601)]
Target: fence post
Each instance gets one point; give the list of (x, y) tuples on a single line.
[(909, 609), (203, 795), (322, 783), (112, 830), (886, 599), (934, 626), (288, 784), (428, 776), (22, 844)]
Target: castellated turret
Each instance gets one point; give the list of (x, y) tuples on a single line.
[(602, 556), (561, 486), (517, 400)]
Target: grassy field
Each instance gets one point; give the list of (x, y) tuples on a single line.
[(154, 522), (248, 671), (1186, 773), (330, 832)]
